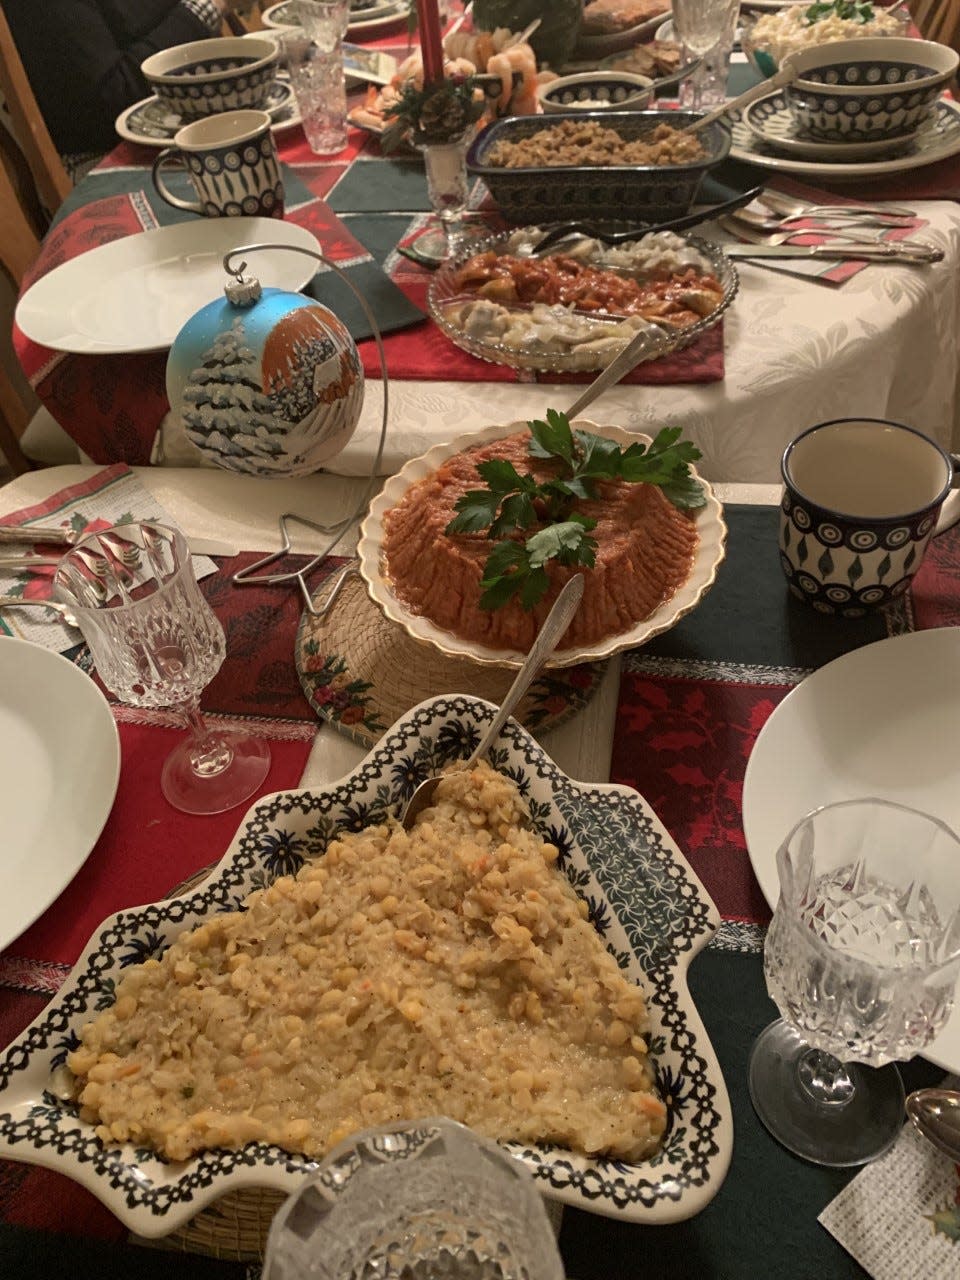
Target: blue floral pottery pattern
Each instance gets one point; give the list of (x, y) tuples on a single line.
[(890, 105), (238, 180), (642, 897), (242, 83), (849, 567)]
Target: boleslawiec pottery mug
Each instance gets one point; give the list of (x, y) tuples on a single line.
[(862, 498), (232, 162)]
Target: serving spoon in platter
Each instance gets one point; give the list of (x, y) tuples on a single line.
[(551, 632)]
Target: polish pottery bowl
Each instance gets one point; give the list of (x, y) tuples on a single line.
[(206, 77), (861, 90), (594, 90)]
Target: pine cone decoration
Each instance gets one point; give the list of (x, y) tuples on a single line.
[(442, 117)]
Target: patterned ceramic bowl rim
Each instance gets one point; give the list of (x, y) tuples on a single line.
[(942, 61), (160, 68), (867, 520), (642, 86), (648, 905)]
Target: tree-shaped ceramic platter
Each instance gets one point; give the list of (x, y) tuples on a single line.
[(643, 898)]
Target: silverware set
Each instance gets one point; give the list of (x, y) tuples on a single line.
[(772, 221)]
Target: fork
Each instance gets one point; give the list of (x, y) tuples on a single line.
[(787, 206), (752, 236)]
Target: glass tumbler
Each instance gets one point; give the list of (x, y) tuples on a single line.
[(313, 56), (427, 1199), (706, 29), (157, 643)]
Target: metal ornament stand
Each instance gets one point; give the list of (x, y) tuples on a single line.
[(245, 291)]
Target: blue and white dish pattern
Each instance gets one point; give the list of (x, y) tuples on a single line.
[(241, 179), (152, 123), (771, 120), (232, 92), (863, 116), (643, 898), (936, 140), (596, 90), (826, 558)]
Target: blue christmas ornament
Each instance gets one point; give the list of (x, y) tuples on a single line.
[(267, 383)]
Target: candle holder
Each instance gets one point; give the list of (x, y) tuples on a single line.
[(439, 120)]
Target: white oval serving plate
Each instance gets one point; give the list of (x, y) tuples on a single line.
[(136, 294)]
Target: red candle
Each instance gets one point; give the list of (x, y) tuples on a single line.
[(431, 40)]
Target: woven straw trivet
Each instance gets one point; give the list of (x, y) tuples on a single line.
[(361, 672)]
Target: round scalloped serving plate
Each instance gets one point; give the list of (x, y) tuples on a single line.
[(710, 552)]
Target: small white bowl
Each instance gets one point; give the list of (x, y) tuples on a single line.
[(593, 90)]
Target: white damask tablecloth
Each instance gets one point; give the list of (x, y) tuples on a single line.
[(886, 344)]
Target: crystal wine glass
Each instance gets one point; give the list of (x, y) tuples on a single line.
[(448, 188), (157, 643), (703, 26), (861, 958)]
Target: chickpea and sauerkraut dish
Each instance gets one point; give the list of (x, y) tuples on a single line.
[(447, 970)]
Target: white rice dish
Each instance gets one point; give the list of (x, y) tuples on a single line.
[(449, 970), (788, 30)]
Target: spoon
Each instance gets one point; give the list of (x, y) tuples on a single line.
[(936, 1114), (554, 626)]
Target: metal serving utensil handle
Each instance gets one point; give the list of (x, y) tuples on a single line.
[(786, 75), (555, 624), (648, 339)]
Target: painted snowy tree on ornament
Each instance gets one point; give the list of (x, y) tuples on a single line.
[(266, 382)]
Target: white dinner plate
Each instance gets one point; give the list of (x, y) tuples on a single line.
[(362, 22), (936, 141), (880, 721), (59, 767), (150, 123), (137, 293)]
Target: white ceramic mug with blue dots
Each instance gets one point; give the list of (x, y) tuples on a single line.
[(862, 498), (231, 161)]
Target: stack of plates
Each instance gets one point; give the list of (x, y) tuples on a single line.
[(765, 133)]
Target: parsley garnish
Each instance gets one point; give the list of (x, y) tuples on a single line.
[(850, 10), (514, 502)]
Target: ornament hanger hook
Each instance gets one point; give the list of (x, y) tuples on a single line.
[(251, 289)]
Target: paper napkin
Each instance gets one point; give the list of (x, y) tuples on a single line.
[(900, 1217)]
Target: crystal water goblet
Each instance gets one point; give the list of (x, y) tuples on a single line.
[(157, 643), (862, 958), (706, 29)]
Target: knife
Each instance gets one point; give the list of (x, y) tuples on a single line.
[(888, 252)]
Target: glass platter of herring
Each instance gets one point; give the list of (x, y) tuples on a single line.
[(575, 306)]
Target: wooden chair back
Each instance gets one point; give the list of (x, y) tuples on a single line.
[(938, 20), (53, 185), (19, 247)]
